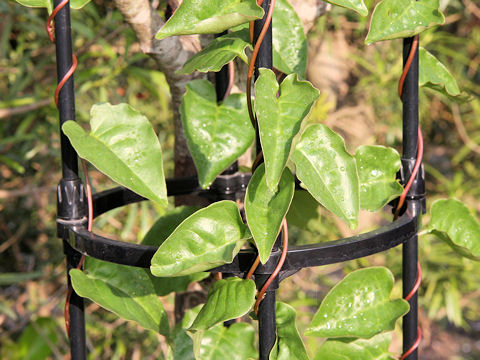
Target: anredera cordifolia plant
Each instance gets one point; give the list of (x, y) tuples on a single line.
[(359, 307)]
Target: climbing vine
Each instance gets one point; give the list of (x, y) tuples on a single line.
[(356, 315)]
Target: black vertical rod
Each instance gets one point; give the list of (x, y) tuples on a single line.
[(266, 312), (76, 310), (66, 109), (267, 331), (66, 98), (264, 58), (410, 248)]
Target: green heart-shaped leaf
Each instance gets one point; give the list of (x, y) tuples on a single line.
[(158, 233), (289, 343), (356, 349), (393, 19), (279, 119), (209, 17), (123, 146), (235, 342), (127, 291), (165, 225), (218, 52), (216, 134), (328, 171), (356, 5), (434, 75), (211, 237), (48, 4), (289, 41), (377, 170), (265, 209), (227, 299), (359, 306), (452, 222)]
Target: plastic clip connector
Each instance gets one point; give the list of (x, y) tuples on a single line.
[(417, 191), (71, 205), (230, 187)]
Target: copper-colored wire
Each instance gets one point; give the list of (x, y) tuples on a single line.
[(283, 256), (251, 66), (68, 74), (231, 79), (417, 283), (408, 64), (414, 346)]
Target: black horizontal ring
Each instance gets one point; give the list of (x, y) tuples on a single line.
[(298, 257)]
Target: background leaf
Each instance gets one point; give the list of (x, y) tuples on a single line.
[(393, 19), (127, 291), (266, 209), (227, 299), (289, 343), (434, 75), (357, 349), (377, 170), (216, 134), (302, 209), (289, 41), (452, 222), (209, 17), (359, 306), (328, 171), (219, 52), (34, 342), (210, 237), (112, 146), (356, 5), (279, 119)]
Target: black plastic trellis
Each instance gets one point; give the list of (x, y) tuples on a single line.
[(78, 241)]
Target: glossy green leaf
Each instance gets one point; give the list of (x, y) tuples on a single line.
[(158, 233), (303, 209), (452, 222), (227, 299), (216, 134), (265, 209), (48, 4), (328, 171), (375, 348), (235, 342), (127, 291), (279, 119), (434, 75), (289, 41), (356, 5), (209, 17), (211, 237), (359, 306), (122, 145), (377, 169), (393, 19), (219, 52), (165, 225), (289, 344)]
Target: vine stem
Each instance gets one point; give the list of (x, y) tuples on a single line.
[(261, 293), (256, 49)]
